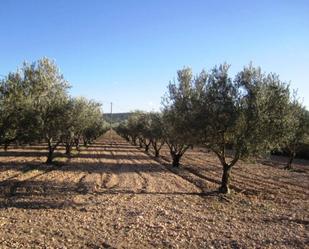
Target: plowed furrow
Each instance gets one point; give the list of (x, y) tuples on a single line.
[(262, 178), (246, 181)]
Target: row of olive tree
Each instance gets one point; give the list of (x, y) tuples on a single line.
[(143, 129), (35, 106), (250, 115)]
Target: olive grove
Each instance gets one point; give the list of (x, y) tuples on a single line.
[(252, 114), (35, 106)]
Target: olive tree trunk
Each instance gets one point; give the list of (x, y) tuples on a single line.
[(140, 143), (176, 160), (177, 151), (156, 147), (51, 149), (68, 149), (157, 152), (77, 144), (50, 156), (147, 147), (147, 144), (134, 140), (291, 158), (225, 182), (227, 168)]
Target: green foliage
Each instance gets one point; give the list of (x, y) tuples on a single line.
[(135, 127), (83, 120), (156, 135), (249, 115), (13, 107), (178, 112), (146, 127), (35, 106), (297, 132)]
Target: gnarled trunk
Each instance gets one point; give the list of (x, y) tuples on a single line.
[(134, 141), (147, 144), (49, 158), (140, 143), (291, 158), (227, 168), (157, 152), (7, 143), (77, 144), (68, 149), (147, 147), (85, 142), (51, 149), (50, 155), (177, 152), (156, 147), (225, 183), (176, 160)]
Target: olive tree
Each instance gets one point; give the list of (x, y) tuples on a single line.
[(144, 123), (123, 131), (71, 123), (49, 101), (247, 115), (298, 131), (16, 114), (156, 132), (177, 116), (135, 128), (93, 125), (35, 106), (84, 120)]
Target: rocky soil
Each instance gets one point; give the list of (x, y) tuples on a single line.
[(113, 195)]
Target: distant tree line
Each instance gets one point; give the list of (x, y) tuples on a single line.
[(35, 107), (250, 115)]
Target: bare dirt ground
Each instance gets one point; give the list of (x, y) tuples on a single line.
[(113, 195)]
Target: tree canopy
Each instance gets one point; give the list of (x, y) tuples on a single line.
[(35, 106), (251, 114)]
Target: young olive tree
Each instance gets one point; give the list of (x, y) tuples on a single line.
[(49, 100), (71, 123), (35, 106), (177, 116), (33, 102), (11, 90), (298, 131), (83, 120), (144, 123), (94, 124), (123, 131), (16, 114), (146, 126), (156, 132), (135, 128)]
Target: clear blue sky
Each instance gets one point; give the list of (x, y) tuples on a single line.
[(127, 51)]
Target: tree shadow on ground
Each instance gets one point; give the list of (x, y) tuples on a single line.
[(87, 167), (111, 145), (28, 154), (31, 194), (36, 194), (80, 154), (279, 162), (112, 156), (286, 220)]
